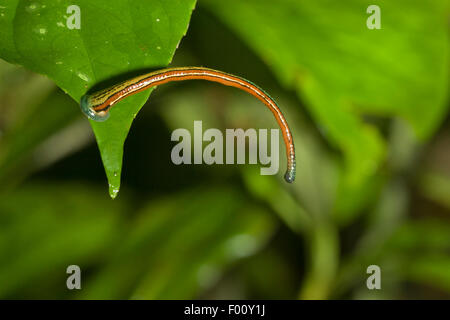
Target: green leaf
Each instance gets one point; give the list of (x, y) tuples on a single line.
[(46, 228), (116, 37), (343, 71)]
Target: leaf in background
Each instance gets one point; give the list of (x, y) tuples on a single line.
[(421, 248), (414, 251), (172, 253), (20, 91), (33, 115), (381, 223), (432, 270), (44, 229), (343, 70), (435, 186), (42, 121), (115, 38), (429, 235)]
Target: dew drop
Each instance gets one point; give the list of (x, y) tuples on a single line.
[(113, 192), (32, 7), (83, 76), (41, 31)]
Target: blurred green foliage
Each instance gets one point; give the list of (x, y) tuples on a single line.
[(368, 110)]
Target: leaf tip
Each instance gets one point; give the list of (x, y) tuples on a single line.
[(113, 191)]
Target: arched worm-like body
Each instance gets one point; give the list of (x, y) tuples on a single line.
[(96, 106)]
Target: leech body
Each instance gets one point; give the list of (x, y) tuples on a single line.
[(96, 106)]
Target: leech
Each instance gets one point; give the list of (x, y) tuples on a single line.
[(96, 105)]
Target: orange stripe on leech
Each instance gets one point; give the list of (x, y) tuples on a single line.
[(229, 80), (214, 76)]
